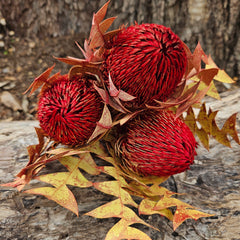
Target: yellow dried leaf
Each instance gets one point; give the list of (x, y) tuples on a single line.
[(167, 202), (63, 196), (203, 137), (114, 188), (74, 178), (108, 210), (229, 127), (147, 207), (84, 161), (121, 230)]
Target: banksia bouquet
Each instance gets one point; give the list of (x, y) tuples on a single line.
[(130, 103)]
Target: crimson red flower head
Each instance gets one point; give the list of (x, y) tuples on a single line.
[(147, 61), (69, 109), (155, 143)]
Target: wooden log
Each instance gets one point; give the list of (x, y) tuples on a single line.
[(212, 184)]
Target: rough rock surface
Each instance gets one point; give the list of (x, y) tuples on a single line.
[(212, 184)]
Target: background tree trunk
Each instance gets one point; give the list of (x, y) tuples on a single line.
[(212, 22)]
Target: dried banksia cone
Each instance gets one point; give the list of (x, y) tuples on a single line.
[(147, 61), (155, 143), (69, 109)]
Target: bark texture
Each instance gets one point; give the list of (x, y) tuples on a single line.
[(212, 22), (212, 185)]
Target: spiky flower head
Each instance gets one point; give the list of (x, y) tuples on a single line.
[(147, 61), (69, 109), (156, 143)]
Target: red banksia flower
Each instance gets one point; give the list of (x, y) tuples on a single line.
[(69, 109), (147, 61), (157, 144)]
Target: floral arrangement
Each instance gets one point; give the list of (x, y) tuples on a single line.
[(129, 103)]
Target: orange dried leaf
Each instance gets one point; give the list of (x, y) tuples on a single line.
[(96, 39), (66, 151), (18, 183), (105, 24), (207, 75), (50, 81), (197, 57), (196, 99), (39, 81), (109, 35), (182, 214), (72, 60), (99, 16), (82, 69)]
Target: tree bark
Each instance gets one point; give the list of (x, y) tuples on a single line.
[(214, 23), (212, 185)]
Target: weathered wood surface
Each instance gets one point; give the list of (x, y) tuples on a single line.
[(212, 22), (212, 184)]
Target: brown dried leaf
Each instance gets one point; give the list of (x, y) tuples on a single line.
[(39, 81)]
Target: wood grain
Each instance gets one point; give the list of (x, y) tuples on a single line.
[(212, 184)]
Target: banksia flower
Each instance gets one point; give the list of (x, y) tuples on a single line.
[(147, 61), (69, 109), (155, 143)]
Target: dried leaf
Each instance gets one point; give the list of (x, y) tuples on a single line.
[(167, 202), (221, 76), (207, 75), (72, 60), (209, 127), (117, 209), (99, 16), (39, 81), (147, 207), (73, 177), (105, 24), (84, 161), (114, 188), (63, 196), (49, 82), (121, 230), (84, 68), (183, 214), (103, 125)]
